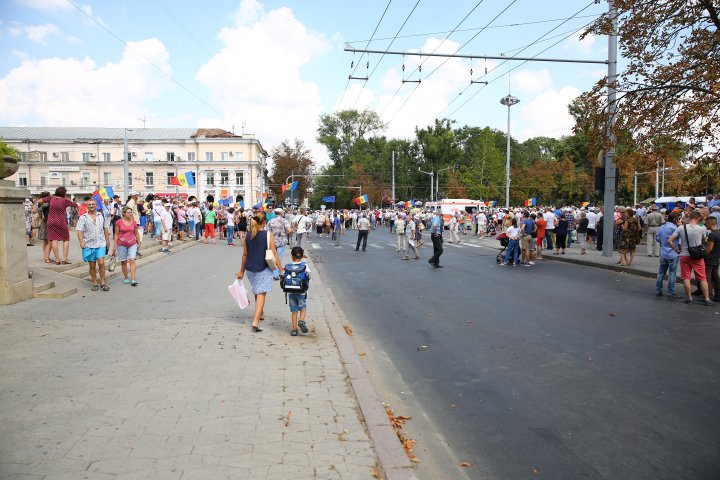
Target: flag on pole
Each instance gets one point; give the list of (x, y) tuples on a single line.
[(294, 185), (363, 198), (284, 187), (98, 199), (175, 181), (330, 199), (585, 204), (492, 203), (106, 193), (190, 178), (530, 202)]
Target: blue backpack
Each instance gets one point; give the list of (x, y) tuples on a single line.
[(295, 279)]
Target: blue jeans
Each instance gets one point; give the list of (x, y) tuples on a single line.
[(230, 233), (280, 250), (198, 229), (669, 266), (513, 247), (158, 228)]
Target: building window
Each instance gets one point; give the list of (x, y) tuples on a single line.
[(107, 178), (170, 175), (64, 156), (238, 156), (239, 178), (191, 156), (86, 156), (43, 180), (129, 179), (22, 180), (148, 156), (225, 178), (208, 156), (42, 156), (225, 156), (210, 176), (170, 156), (149, 179), (85, 179), (106, 156)]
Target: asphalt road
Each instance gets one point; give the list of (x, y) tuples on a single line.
[(556, 371)]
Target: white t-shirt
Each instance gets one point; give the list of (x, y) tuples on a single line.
[(592, 220), (303, 222), (167, 219), (513, 232), (157, 210), (549, 218), (481, 218), (230, 219)]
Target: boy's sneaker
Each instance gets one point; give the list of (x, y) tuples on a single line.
[(503, 264), (294, 333), (531, 263), (302, 326), (688, 301), (708, 303)]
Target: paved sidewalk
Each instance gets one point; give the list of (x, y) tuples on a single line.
[(167, 381)]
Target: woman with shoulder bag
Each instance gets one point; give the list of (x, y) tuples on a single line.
[(254, 261)]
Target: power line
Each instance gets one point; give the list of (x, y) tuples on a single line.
[(518, 66), (342, 97), (145, 58), (520, 50), (386, 50), (447, 59), (520, 24), (419, 67)]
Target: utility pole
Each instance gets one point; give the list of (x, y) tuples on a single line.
[(657, 178), (508, 101), (126, 166), (393, 176), (609, 194)]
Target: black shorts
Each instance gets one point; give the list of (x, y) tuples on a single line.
[(590, 232)]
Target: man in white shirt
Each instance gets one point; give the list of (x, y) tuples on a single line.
[(482, 224), (303, 223), (592, 225), (157, 210), (166, 224), (550, 220)]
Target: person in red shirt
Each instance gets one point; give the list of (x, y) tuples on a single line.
[(541, 223)]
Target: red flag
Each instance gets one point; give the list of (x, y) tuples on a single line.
[(175, 181), (284, 187)]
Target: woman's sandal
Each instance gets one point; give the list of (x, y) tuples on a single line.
[(95, 288), (105, 288), (257, 329)]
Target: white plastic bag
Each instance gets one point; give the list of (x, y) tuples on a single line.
[(238, 292)]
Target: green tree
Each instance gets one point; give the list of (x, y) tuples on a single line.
[(339, 132), (291, 159)]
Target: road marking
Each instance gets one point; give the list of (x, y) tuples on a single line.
[(316, 246), (376, 246)]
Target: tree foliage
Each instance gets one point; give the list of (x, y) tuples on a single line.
[(671, 86), (289, 159)]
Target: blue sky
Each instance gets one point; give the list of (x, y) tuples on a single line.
[(277, 65)]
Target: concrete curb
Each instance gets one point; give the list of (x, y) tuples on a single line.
[(613, 268), (393, 460)]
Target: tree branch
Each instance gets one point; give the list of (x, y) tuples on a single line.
[(672, 87), (708, 5)]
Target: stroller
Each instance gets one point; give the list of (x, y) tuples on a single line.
[(504, 242)]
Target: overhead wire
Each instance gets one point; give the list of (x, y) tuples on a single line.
[(519, 24), (152, 64), (384, 53), (447, 59), (434, 50), (540, 39), (347, 84)]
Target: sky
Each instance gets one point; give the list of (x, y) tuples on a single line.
[(271, 68)]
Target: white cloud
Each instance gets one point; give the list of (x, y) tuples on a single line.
[(45, 5), (35, 33), (77, 92), (256, 76), (545, 115), (584, 46), (531, 82)]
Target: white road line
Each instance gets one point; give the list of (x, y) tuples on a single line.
[(376, 246), (316, 246)]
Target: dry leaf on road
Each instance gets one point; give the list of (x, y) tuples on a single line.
[(348, 329), (465, 464)]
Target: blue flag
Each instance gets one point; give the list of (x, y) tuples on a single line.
[(330, 199), (294, 185)]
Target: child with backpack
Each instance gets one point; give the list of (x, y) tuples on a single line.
[(295, 282)]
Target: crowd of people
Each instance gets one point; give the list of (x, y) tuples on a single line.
[(119, 228)]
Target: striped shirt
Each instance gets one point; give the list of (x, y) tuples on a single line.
[(93, 232)]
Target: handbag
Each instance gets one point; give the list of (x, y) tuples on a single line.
[(239, 294), (269, 256), (697, 252), (112, 263)]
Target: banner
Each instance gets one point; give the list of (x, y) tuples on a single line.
[(330, 199)]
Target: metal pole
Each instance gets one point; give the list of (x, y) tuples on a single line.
[(663, 179), (609, 194), (507, 164), (635, 190), (657, 178), (126, 167), (432, 177), (393, 176), (473, 57)]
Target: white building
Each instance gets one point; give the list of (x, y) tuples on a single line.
[(85, 159)]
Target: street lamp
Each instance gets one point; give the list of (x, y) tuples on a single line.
[(126, 166), (508, 101), (432, 182)]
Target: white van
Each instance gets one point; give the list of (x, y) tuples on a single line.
[(451, 206)]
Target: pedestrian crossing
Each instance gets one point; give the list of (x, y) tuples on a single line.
[(390, 245)]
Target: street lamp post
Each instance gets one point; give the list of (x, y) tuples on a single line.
[(432, 182), (126, 165), (508, 101)]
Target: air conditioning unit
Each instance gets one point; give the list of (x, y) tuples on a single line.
[(134, 154), (56, 154), (92, 155), (231, 154), (73, 182)]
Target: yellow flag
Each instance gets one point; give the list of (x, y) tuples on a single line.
[(183, 180)]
